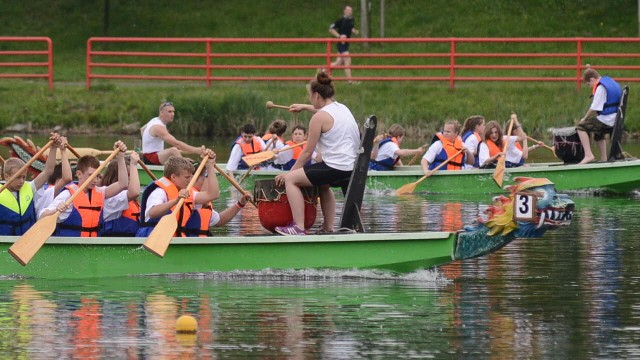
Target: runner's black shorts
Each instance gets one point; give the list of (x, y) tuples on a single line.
[(343, 48)]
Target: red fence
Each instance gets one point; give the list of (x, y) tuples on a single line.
[(449, 60), (33, 53)]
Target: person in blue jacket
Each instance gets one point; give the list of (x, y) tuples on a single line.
[(601, 116)]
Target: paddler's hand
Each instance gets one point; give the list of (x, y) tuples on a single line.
[(134, 158), (182, 194), (245, 199), (280, 180), (120, 146), (211, 154)]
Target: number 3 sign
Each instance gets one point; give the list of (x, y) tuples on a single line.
[(524, 207)]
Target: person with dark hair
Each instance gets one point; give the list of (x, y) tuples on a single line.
[(274, 141), (245, 144), (298, 135), (342, 29), (155, 134), (83, 217), (472, 132), (121, 213), (601, 116), (386, 155), (335, 132)]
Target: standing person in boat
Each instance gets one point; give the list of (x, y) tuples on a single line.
[(387, 154), (161, 196), (20, 201), (205, 217), (246, 144), (444, 146), (83, 217), (121, 213), (275, 141), (335, 132), (155, 134), (472, 132), (601, 116), (342, 29), (493, 144)]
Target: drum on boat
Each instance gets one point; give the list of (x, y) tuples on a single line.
[(567, 145), (273, 205)]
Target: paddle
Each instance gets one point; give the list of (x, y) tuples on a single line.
[(26, 166), (140, 162), (409, 188), (159, 239), (498, 174), (233, 182), (270, 105), (255, 159), (79, 152), (543, 144), (32, 240), (414, 158), (270, 144)]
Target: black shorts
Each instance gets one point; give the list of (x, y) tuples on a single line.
[(321, 174), (595, 126), (343, 48)]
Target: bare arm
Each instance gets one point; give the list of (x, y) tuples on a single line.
[(123, 177), (211, 187), (301, 107), (161, 132), (133, 190)]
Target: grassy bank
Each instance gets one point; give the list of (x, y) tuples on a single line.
[(220, 109)]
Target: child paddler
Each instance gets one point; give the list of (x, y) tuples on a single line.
[(84, 216), (472, 132), (20, 201), (161, 196), (445, 145), (205, 217), (388, 153), (121, 213), (246, 144)]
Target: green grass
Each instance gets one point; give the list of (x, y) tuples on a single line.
[(219, 110)]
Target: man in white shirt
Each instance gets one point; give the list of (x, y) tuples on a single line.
[(155, 134)]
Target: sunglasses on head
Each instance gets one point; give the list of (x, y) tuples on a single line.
[(165, 104)]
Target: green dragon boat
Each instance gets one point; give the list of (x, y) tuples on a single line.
[(620, 176), (401, 252)]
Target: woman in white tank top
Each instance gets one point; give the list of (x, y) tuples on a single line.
[(335, 132)]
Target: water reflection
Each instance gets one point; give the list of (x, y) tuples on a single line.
[(571, 294)]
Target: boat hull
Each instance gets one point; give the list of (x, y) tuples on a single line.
[(113, 257), (617, 177)]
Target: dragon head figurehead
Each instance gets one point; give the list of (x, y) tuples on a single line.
[(536, 197)]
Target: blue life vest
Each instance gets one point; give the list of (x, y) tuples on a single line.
[(17, 215), (614, 95), (384, 164), (126, 225), (465, 136)]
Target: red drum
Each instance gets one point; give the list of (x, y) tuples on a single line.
[(273, 205)]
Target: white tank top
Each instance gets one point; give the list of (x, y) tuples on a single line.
[(150, 143), (339, 146)]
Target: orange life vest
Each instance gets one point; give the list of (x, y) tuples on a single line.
[(86, 215), (184, 214), (448, 150), (493, 148), (253, 147), (296, 150)]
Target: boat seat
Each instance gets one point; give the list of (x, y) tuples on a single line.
[(615, 150)]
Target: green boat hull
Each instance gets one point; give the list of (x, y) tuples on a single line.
[(617, 177), (114, 257)]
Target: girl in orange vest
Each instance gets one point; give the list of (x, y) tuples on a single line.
[(445, 146), (275, 141), (121, 213)]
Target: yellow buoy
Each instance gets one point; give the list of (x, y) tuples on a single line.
[(186, 324)]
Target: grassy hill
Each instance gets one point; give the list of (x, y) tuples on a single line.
[(215, 111)]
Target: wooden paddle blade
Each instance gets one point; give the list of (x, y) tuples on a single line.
[(159, 239), (407, 189), (498, 174), (29, 243), (255, 159)]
